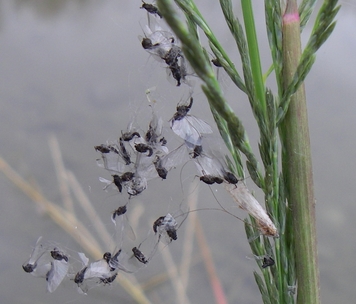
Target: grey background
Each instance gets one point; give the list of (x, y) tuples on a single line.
[(76, 69)]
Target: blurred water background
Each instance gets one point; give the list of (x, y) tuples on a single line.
[(76, 69)]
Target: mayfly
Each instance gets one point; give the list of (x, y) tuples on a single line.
[(139, 255), (213, 171), (189, 127), (153, 135), (267, 262), (176, 63), (116, 181), (127, 136), (157, 42), (143, 148), (166, 226), (100, 271), (247, 202), (36, 254), (171, 160), (121, 222), (53, 266)]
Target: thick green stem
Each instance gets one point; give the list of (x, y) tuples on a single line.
[(297, 166)]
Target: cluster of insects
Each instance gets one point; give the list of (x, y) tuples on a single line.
[(136, 157)]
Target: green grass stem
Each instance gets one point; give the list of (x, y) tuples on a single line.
[(297, 166)]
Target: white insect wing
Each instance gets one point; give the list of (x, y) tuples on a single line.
[(94, 276), (145, 170), (36, 254), (136, 185), (156, 126), (175, 158), (83, 258), (112, 162), (161, 41), (119, 261), (57, 273), (106, 182), (41, 269), (168, 224), (123, 227), (247, 202), (208, 166), (190, 128), (98, 269)]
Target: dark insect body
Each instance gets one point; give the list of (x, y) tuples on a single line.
[(147, 43), (29, 267), (267, 261), (79, 277), (127, 176), (171, 59), (210, 179), (172, 233), (102, 149), (117, 182), (108, 280), (106, 149), (216, 62), (230, 177), (163, 141), (129, 135), (139, 255), (158, 222), (107, 257), (125, 155), (119, 211), (142, 148), (176, 73), (183, 110), (114, 261), (151, 9), (59, 256), (162, 172), (197, 151)]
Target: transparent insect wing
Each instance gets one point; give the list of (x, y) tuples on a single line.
[(112, 162), (154, 130), (169, 221), (190, 128), (97, 269), (42, 269), (136, 186), (146, 170), (167, 229), (118, 214), (107, 182), (58, 271), (207, 165), (36, 254), (157, 42), (83, 258), (119, 262), (175, 158), (123, 228)]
